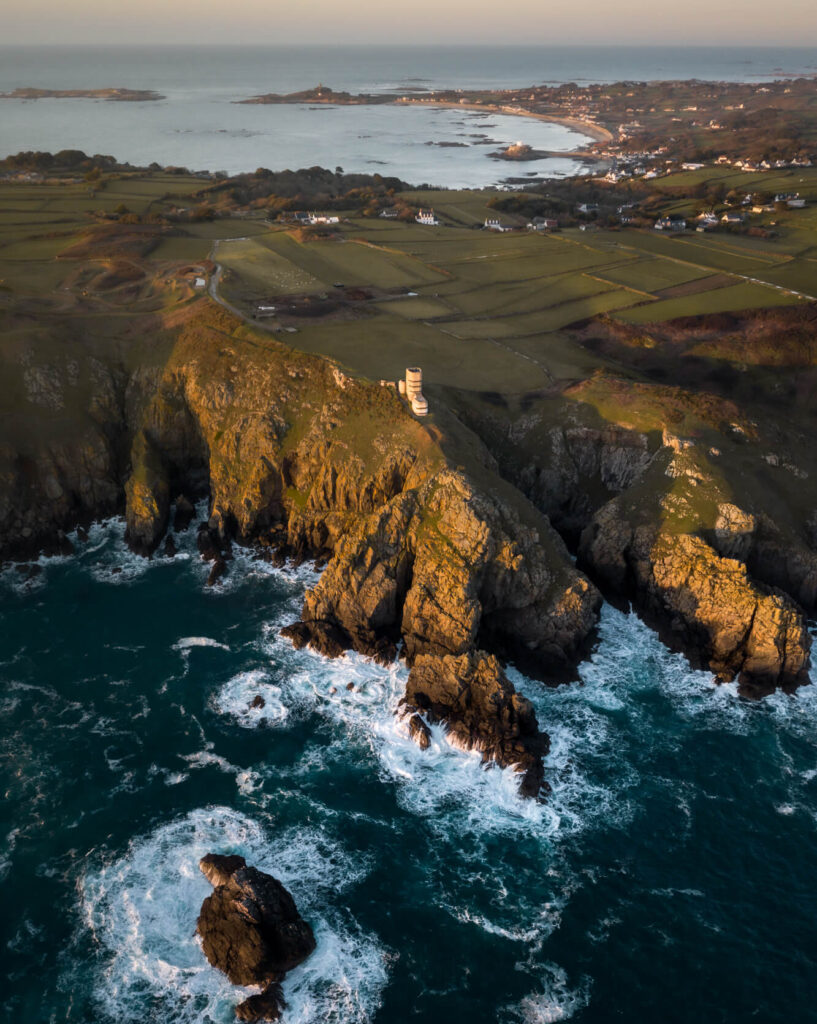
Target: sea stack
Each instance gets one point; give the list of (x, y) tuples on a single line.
[(251, 930)]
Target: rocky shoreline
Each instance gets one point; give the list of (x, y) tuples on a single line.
[(454, 567)]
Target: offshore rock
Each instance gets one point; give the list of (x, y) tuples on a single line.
[(477, 702), (251, 930), (448, 568), (267, 1005), (147, 499)]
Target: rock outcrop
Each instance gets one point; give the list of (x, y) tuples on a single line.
[(471, 694), (651, 547), (657, 522), (303, 460), (251, 930), (447, 568)]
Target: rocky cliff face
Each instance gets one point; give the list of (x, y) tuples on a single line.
[(656, 522), (652, 546), (301, 459)]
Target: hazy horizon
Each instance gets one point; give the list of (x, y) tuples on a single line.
[(255, 22)]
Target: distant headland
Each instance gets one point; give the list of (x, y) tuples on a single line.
[(115, 95)]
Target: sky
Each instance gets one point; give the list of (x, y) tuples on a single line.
[(691, 22)]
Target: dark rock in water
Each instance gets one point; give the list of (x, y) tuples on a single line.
[(82, 535), (350, 687), (324, 637), (267, 1005), (170, 547), (258, 701), (63, 545), (29, 571), (218, 570), (207, 543), (482, 711), (184, 515), (419, 731), (116, 569), (297, 633), (250, 927)]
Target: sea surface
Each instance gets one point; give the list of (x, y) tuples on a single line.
[(669, 877), (199, 126)]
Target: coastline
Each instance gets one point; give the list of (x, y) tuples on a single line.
[(589, 128)]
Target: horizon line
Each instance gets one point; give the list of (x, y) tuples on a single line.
[(116, 44)]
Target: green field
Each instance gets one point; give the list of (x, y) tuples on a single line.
[(476, 309)]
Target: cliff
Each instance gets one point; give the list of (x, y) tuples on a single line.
[(301, 460), (685, 532)]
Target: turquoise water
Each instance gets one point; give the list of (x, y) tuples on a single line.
[(669, 877)]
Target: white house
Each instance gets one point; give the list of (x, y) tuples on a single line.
[(494, 224), (543, 224), (427, 217)]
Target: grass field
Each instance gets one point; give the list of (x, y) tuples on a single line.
[(477, 310)]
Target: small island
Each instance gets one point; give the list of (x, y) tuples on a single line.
[(114, 95), (320, 94), (519, 151)]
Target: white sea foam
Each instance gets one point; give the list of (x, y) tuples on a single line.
[(236, 699), (442, 780), (247, 781), (184, 645), (186, 642), (142, 908), (556, 1001)]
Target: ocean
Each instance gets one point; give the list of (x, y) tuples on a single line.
[(199, 126), (669, 877)]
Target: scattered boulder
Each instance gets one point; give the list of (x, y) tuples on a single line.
[(251, 930), (258, 701), (208, 543), (419, 731)]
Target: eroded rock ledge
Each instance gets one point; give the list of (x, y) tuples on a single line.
[(701, 602), (474, 697)]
